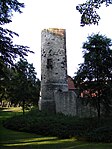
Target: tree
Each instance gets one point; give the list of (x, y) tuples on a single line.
[(94, 77), (24, 88), (4, 82), (6, 9), (88, 11), (8, 51)]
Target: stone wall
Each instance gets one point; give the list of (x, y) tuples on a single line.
[(66, 102), (69, 104)]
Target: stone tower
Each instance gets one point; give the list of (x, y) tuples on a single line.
[(53, 67)]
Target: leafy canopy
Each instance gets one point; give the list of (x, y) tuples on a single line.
[(94, 76), (9, 52), (6, 10), (88, 11), (24, 87)]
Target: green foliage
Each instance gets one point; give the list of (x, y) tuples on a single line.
[(8, 51), (94, 76), (16, 140), (15, 85), (102, 134), (6, 9), (24, 88), (88, 11), (62, 126)]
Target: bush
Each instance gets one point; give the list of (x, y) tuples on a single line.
[(62, 126), (102, 134)]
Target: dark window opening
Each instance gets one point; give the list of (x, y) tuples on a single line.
[(60, 90), (49, 63), (48, 43)]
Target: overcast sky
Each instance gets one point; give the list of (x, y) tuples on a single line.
[(40, 14)]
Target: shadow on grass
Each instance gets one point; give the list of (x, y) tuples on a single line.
[(19, 140)]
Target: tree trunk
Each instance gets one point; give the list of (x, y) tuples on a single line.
[(23, 106), (98, 108)]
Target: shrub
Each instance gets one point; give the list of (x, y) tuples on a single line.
[(62, 126), (101, 134)]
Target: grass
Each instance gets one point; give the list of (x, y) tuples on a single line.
[(18, 140)]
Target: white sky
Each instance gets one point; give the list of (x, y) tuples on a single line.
[(40, 14)]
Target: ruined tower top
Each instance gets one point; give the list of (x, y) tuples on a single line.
[(57, 31)]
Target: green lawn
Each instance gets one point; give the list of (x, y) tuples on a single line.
[(18, 140)]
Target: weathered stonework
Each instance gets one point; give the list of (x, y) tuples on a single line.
[(66, 102), (55, 96), (53, 67)]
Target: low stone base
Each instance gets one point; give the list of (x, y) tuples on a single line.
[(47, 106)]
